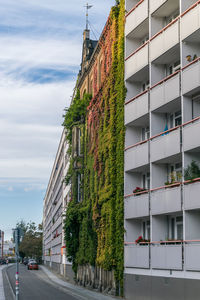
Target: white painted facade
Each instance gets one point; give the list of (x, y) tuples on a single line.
[(162, 119), (55, 203)]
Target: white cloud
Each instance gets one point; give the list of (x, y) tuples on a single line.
[(10, 189), (36, 37)]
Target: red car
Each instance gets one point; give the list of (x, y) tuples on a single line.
[(32, 266)]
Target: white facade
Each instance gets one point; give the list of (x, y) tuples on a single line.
[(8, 248), (55, 202), (1, 243), (162, 119)]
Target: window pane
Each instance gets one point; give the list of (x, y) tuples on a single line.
[(144, 229), (179, 231), (172, 229)]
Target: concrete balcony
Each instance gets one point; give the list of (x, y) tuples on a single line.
[(136, 256), (191, 136), (165, 145), (136, 16), (166, 200), (164, 40), (167, 257), (190, 21), (192, 253), (57, 223), (136, 156), (136, 206), (136, 61), (191, 77), (136, 107), (191, 195), (165, 91), (154, 5), (56, 241)]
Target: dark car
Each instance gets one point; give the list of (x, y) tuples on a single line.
[(25, 261), (32, 266)]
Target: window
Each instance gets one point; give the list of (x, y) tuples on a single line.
[(146, 181), (100, 70), (172, 17), (146, 233), (176, 228), (175, 119), (171, 69), (175, 172), (79, 141), (79, 188), (145, 133)]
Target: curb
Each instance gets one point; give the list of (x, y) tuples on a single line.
[(8, 280)]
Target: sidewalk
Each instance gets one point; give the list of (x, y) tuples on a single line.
[(2, 295), (75, 290)]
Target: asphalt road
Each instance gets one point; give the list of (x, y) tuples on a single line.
[(35, 285)]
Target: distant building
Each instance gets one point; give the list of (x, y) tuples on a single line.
[(55, 203), (1, 243), (162, 119), (8, 249)]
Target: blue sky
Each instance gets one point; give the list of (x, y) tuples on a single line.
[(40, 55)]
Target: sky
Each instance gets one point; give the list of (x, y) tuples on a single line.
[(40, 56)]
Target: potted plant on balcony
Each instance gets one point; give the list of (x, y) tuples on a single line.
[(192, 171), (138, 190), (194, 57), (141, 241), (189, 58), (174, 177)]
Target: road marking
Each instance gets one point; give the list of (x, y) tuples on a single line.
[(2, 295)]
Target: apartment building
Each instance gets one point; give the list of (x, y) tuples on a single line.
[(55, 203), (1, 243), (162, 153)]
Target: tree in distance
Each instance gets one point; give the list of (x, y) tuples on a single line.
[(31, 244)]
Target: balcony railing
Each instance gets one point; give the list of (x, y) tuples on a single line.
[(165, 39), (165, 90), (191, 194), (137, 60), (136, 16), (136, 205), (165, 255), (165, 144), (190, 20), (136, 256), (136, 107), (192, 253), (191, 78), (191, 134), (136, 156), (166, 200)]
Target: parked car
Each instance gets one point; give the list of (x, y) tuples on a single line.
[(25, 261), (32, 266)]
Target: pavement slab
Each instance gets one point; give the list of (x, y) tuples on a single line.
[(76, 290), (2, 294)]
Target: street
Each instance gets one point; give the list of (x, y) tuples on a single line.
[(36, 285)]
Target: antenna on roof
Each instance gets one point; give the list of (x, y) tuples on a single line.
[(87, 9)]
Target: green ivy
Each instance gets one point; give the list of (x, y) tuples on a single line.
[(94, 228)]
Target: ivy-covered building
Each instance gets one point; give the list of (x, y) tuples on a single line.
[(94, 227)]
